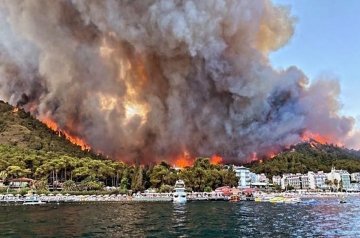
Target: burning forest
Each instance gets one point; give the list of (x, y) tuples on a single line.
[(165, 79)]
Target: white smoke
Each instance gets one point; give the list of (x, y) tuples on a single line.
[(146, 80)]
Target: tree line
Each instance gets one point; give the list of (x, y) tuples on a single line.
[(308, 157), (74, 173)]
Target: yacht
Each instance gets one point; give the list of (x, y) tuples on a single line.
[(179, 194)]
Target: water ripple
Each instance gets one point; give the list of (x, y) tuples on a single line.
[(327, 218)]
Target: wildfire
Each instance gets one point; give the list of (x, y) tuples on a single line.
[(134, 109), (254, 156), (271, 154), (15, 110), (183, 160), (73, 139), (323, 139), (216, 159)]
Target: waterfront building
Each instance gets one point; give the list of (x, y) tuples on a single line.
[(253, 177), (354, 187), (262, 178), (293, 180), (243, 174), (305, 184), (339, 178), (345, 179), (317, 180), (258, 178), (276, 180), (355, 177)]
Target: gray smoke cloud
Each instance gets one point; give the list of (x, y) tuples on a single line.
[(147, 80)]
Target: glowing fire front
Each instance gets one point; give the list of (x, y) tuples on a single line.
[(73, 139), (185, 159)]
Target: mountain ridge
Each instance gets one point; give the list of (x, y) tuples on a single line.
[(307, 156)]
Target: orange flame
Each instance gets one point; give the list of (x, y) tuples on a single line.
[(271, 154), (183, 160), (323, 139), (254, 156), (216, 159), (16, 109), (73, 139), (50, 123)]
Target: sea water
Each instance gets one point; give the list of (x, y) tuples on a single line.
[(327, 218)]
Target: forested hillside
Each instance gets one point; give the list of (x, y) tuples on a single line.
[(309, 156), (29, 149), (19, 128)]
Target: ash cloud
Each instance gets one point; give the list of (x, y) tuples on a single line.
[(147, 80)]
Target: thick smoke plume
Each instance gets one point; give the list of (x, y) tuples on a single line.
[(145, 80)]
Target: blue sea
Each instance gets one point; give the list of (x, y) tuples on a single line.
[(326, 218)]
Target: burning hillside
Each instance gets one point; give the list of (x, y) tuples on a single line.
[(150, 80)]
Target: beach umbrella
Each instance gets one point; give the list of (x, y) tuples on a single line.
[(51, 194)]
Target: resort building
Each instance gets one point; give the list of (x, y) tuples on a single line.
[(291, 180), (345, 180), (258, 178), (355, 177), (339, 178), (317, 180), (305, 183), (276, 180), (243, 175)]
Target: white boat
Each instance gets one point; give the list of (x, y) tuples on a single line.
[(33, 201), (179, 194)]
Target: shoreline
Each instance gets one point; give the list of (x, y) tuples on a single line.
[(10, 199)]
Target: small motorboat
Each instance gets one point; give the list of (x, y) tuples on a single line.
[(234, 198), (33, 202), (342, 199)]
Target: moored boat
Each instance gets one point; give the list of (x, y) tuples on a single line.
[(179, 194), (33, 202), (234, 198)]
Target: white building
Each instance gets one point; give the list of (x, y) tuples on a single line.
[(243, 174), (317, 180), (340, 178), (305, 183), (276, 180), (355, 177), (262, 178), (259, 178), (293, 180)]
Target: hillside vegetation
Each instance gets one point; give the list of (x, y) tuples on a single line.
[(309, 156), (29, 149), (19, 128)]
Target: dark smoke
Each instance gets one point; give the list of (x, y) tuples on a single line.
[(147, 80)]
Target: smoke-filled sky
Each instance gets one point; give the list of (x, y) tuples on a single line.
[(326, 40), (151, 80)]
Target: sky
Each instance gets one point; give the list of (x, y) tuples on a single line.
[(326, 42)]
